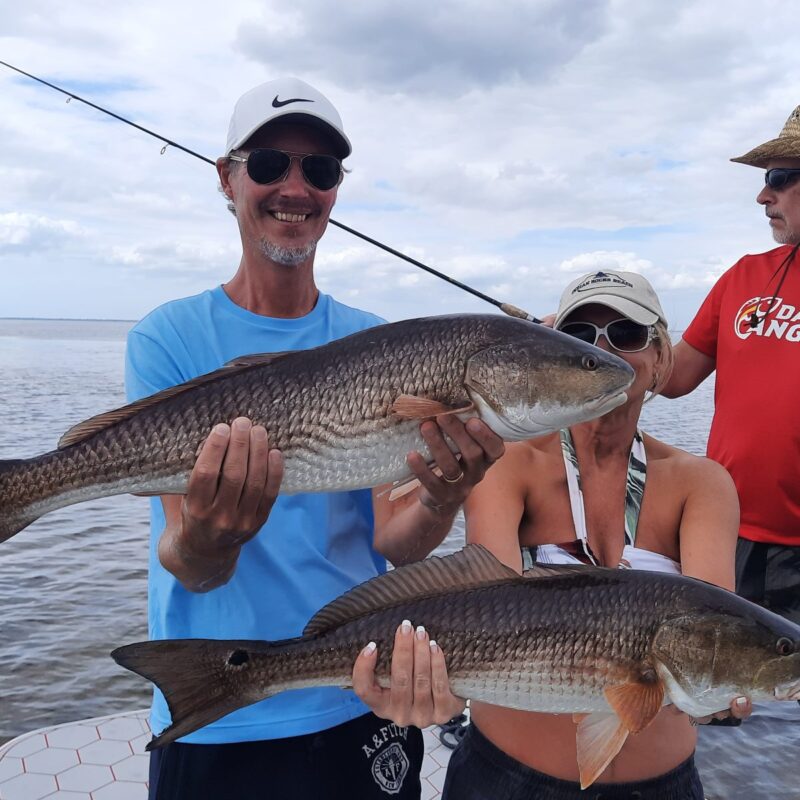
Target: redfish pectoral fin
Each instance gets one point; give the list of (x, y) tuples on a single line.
[(599, 738), (402, 488), (412, 407), (636, 704)]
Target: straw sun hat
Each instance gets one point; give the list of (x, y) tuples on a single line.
[(787, 145)]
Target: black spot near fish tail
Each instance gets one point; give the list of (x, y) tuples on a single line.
[(238, 658)]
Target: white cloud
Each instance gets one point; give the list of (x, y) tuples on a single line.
[(440, 50), (509, 145), (32, 233), (604, 259), (177, 258), (701, 277)]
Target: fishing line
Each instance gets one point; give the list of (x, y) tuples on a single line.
[(506, 308)]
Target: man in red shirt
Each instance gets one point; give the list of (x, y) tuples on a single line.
[(748, 330)]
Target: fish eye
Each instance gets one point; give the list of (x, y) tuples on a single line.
[(784, 646), (589, 362)]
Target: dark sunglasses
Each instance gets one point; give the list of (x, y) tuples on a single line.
[(623, 335), (267, 165), (781, 177)]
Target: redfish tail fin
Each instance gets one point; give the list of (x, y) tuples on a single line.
[(201, 679)]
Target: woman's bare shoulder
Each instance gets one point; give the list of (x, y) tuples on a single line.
[(528, 452), (687, 465), (512, 474)]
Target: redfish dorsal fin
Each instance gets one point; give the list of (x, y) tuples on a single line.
[(471, 567), (88, 428), (541, 570), (256, 359)]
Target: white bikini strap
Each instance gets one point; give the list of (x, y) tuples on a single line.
[(634, 490)]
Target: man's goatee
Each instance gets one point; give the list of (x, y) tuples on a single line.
[(289, 256)]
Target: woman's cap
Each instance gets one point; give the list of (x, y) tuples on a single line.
[(626, 292)]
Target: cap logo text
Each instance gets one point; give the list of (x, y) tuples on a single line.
[(602, 279)]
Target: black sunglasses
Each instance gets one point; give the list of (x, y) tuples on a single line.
[(624, 335), (781, 177), (267, 165)]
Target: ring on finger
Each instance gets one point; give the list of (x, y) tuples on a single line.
[(453, 480)]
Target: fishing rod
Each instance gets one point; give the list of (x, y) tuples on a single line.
[(506, 308)]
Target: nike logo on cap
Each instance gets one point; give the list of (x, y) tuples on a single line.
[(280, 103)]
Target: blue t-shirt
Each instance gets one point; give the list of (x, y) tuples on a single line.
[(313, 548)]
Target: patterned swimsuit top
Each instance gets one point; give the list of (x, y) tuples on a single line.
[(579, 551)]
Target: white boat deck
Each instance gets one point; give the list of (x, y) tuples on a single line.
[(104, 759)]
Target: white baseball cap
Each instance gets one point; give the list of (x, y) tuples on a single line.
[(626, 292), (286, 99)]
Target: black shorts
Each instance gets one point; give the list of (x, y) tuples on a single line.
[(769, 574), (480, 771), (367, 758)]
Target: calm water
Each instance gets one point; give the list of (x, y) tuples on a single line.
[(73, 585)]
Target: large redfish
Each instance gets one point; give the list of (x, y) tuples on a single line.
[(344, 415), (612, 644)]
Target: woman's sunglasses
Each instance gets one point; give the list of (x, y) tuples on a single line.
[(623, 335), (267, 165), (781, 177)]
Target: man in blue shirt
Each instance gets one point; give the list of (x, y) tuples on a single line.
[(234, 560)]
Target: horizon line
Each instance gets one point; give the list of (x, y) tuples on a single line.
[(68, 319)]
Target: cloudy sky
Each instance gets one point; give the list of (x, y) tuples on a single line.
[(513, 145)]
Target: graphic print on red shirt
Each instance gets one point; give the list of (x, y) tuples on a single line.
[(755, 433)]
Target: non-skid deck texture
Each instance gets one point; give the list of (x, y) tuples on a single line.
[(104, 759)]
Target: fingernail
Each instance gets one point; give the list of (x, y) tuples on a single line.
[(434, 646), (420, 632), (369, 649), (259, 432), (241, 423), (222, 429), (741, 702), (405, 627)]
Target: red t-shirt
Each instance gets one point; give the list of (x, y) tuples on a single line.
[(755, 433)]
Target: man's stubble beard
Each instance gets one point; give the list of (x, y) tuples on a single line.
[(786, 236), (288, 256)]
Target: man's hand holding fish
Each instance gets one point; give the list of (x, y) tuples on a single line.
[(237, 478)]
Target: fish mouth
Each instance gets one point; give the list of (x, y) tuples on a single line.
[(517, 427), (590, 409), (605, 403)]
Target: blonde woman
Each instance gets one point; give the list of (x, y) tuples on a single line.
[(602, 492)]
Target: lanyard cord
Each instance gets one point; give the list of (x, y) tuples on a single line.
[(784, 265)]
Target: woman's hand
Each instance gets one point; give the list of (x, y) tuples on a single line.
[(419, 693), (740, 708)]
